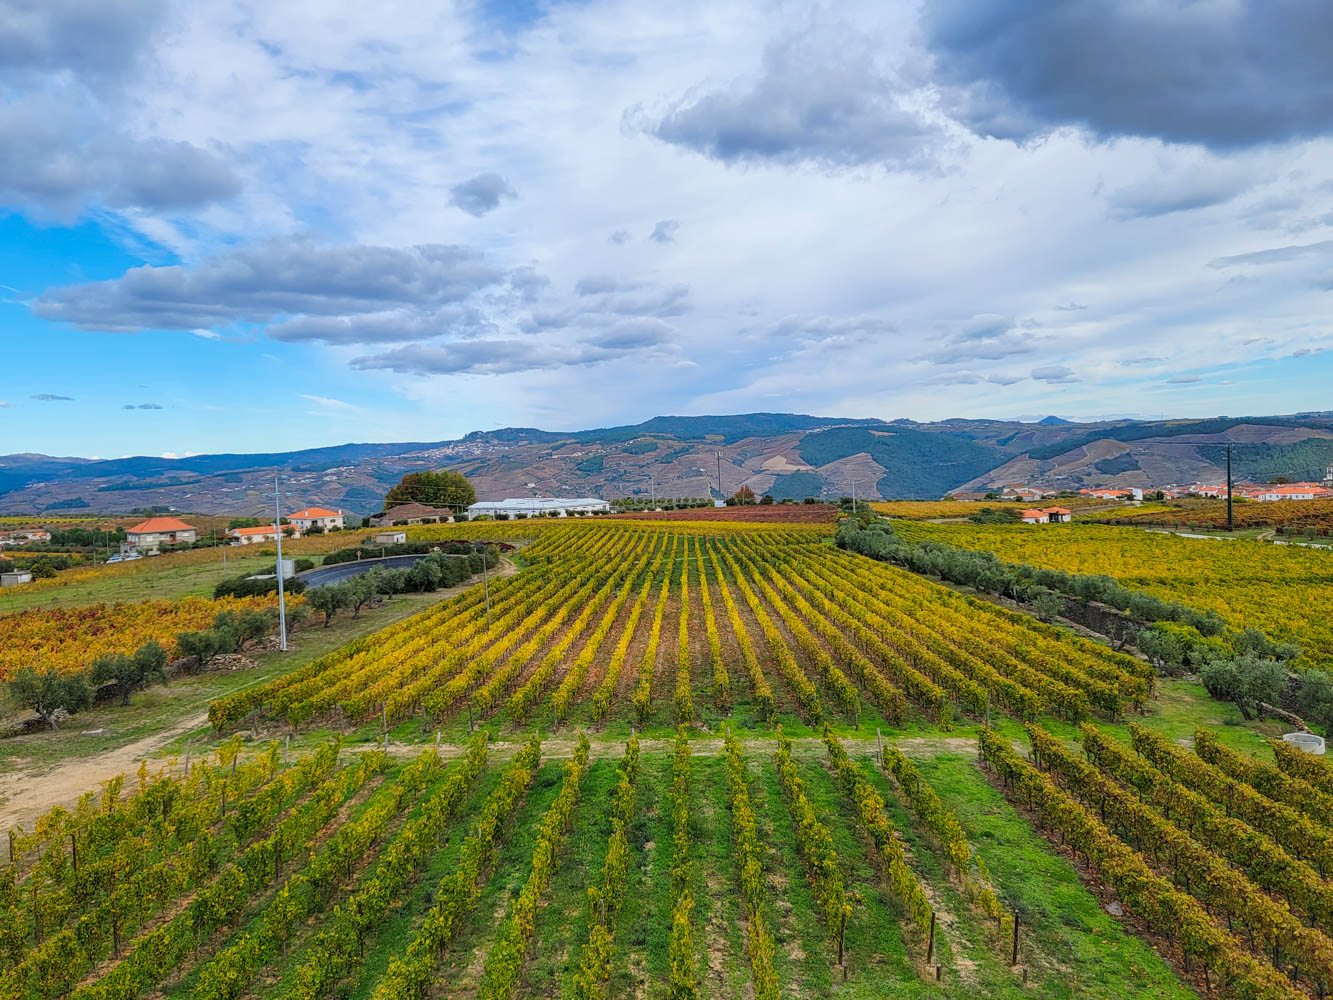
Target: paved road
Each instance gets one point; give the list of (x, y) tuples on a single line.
[(321, 576)]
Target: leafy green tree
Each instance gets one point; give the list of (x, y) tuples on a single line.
[(360, 590), (1314, 696), (1245, 680), (328, 600), (198, 646), (128, 674), (49, 691), (445, 488)]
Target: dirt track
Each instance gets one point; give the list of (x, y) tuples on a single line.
[(27, 796)]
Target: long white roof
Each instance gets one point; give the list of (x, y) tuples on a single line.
[(536, 503)]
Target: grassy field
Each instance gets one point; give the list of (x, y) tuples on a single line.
[(173, 579)]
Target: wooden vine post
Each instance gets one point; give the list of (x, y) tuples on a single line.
[(930, 944)]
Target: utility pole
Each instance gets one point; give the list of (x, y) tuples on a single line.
[(652, 480), (853, 496), (1231, 524), (282, 601), (721, 495)]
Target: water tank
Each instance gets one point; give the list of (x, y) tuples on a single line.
[(1308, 742)]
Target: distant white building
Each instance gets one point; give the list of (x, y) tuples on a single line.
[(528, 506), (1035, 517), (317, 517), (15, 578), (391, 538)]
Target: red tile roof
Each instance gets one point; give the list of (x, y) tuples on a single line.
[(1056, 510), (261, 530), (312, 512), (158, 525), (1033, 513)]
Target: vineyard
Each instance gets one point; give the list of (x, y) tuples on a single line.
[(544, 868), (69, 639), (925, 510), (786, 513), (657, 625), (1285, 516), (1225, 855), (682, 760), (1282, 590)]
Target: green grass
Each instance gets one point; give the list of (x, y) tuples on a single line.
[(171, 581)]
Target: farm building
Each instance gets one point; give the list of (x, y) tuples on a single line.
[(409, 513), (24, 537), (529, 506), (317, 517), (16, 577), (263, 533), (391, 538), (1047, 515), (149, 537)]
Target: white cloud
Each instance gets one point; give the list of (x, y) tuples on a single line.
[(822, 274), (327, 402)]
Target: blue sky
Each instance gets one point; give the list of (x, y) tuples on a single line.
[(239, 227)]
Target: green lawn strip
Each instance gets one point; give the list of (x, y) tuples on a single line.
[(1067, 939), (878, 962), (393, 933), (724, 965), (641, 932), (802, 958), (562, 926), (460, 970)]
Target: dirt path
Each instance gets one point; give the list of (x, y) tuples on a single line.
[(27, 795)]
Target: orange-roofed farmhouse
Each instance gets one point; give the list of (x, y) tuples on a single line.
[(317, 517), (262, 533), (1034, 517), (149, 537)]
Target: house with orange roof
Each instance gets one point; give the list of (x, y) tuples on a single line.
[(1058, 515), (147, 538), (317, 517), (262, 533), (1034, 517)]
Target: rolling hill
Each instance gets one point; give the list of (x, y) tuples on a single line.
[(788, 455)]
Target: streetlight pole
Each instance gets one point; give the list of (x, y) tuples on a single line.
[(853, 496), (282, 600)]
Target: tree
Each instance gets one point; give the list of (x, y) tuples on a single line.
[(48, 692), (327, 600), (361, 589), (1048, 605), (128, 674), (742, 497), (445, 488), (198, 646), (1245, 680)]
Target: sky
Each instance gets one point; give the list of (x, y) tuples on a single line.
[(234, 226)]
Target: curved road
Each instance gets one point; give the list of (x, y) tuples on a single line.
[(321, 576)]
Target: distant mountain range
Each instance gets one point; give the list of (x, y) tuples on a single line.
[(788, 455)]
